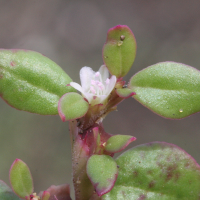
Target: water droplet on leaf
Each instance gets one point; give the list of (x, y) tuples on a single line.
[(181, 110), (119, 43)]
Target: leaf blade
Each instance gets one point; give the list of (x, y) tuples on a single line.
[(117, 143), (156, 170), (119, 51), (102, 171), (21, 179), (169, 89), (72, 106), (31, 82), (6, 193)]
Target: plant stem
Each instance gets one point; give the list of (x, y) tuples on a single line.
[(84, 143), (80, 154)]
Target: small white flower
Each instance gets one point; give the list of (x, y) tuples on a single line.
[(95, 86)]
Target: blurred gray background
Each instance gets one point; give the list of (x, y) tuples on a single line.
[(72, 34)]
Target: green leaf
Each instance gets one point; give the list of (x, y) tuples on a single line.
[(6, 193), (169, 89), (117, 143), (125, 92), (102, 171), (31, 82), (119, 50), (154, 171), (72, 106), (21, 179)]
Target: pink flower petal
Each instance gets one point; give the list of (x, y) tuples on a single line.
[(77, 86), (104, 73), (86, 75)]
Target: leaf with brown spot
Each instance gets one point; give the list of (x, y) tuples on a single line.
[(156, 171)]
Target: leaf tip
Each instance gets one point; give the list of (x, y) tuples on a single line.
[(16, 161), (107, 189), (119, 27)]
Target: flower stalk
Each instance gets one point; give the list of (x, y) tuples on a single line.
[(88, 138)]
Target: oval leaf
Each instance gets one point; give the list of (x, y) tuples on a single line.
[(72, 106), (102, 171), (119, 50), (21, 179), (117, 143), (170, 89), (6, 193), (31, 82), (125, 92), (156, 171)]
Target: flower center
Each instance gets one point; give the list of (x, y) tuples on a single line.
[(97, 86)]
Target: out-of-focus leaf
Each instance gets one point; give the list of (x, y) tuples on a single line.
[(45, 195), (6, 193), (31, 82), (154, 171), (21, 179), (60, 192), (169, 89), (119, 50)]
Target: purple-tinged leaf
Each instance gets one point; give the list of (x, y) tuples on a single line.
[(118, 143), (102, 171), (32, 82), (125, 92), (60, 192), (45, 195), (72, 106), (6, 192), (169, 89), (119, 50), (21, 179), (156, 170)]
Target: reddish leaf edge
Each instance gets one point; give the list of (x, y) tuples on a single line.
[(106, 189), (119, 26), (164, 144), (17, 160), (61, 114), (132, 139)]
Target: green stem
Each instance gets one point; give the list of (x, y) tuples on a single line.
[(80, 154)]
